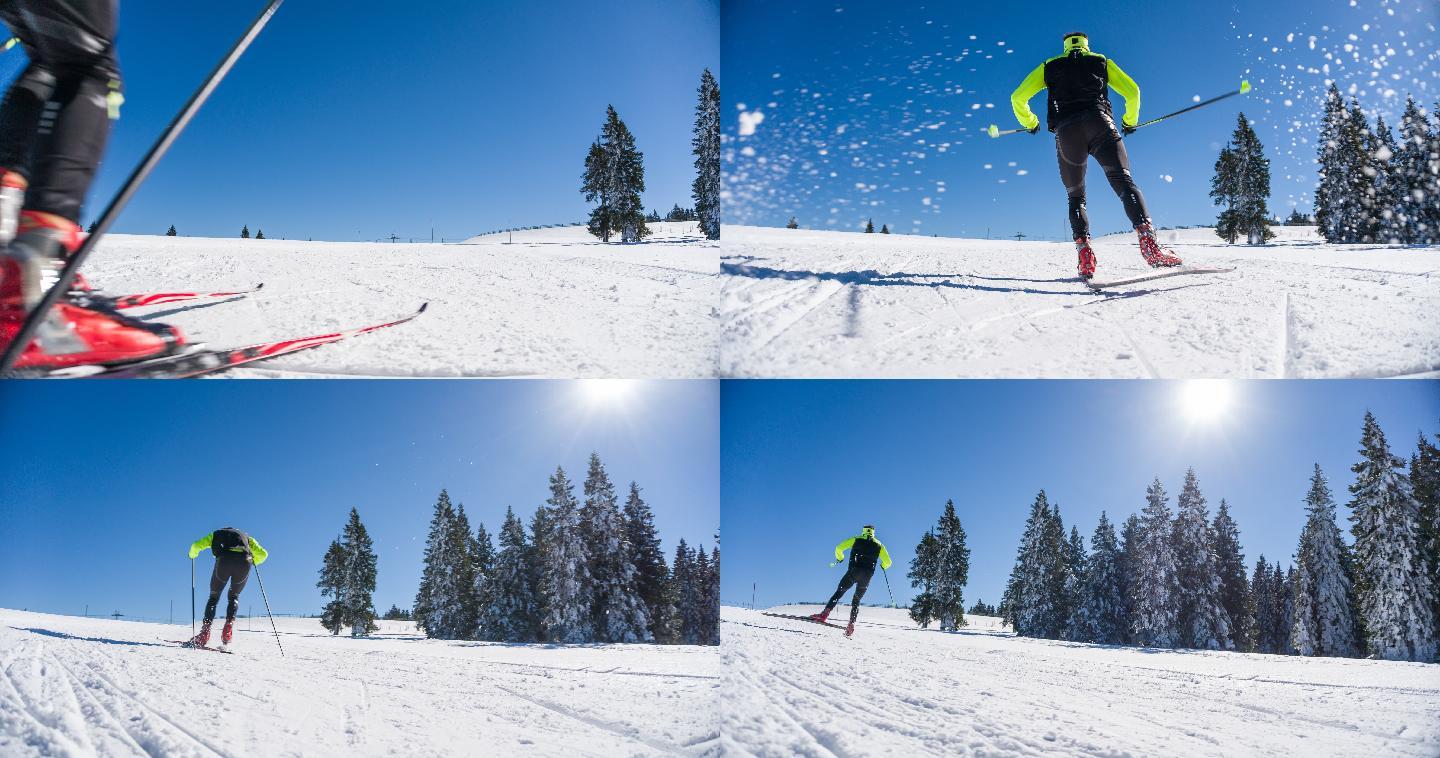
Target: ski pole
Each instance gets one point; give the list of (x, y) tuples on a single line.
[(267, 606), (1244, 88), (887, 586), (127, 190), (192, 598)]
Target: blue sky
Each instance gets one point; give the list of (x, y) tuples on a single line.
[(105, 485), (367, 118), (805, 464), (893, 74)]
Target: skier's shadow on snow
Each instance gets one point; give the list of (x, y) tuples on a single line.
[(185, 308), (871, 277), (104, 640)]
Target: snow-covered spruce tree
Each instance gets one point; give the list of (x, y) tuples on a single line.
[(1344, 197), (1234, 586), (1259, 610), (1421, 182), (1203, 621), (245, 232), (706, 145), (1242, 184), (1154, 584), (1394, 594), (614, 178), (1324, 622), (652, 576), (482, 566), (1359, 135), (1390, 187), (331, 585), (1101, 615), (1286, 581), (467, 606), (566, 575), (435, 598), (1057, 559), (511, 615), (952, 571), (700, 606), (922, 576), (869, 226), (1075, 558), (359, 577), (1124, 568), (687, 596), (1425, 479), (1032, 603), (171, 231), (617, 614), (539, 555)]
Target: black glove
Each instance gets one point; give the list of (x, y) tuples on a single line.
[(1033, 129), (1127, 130)]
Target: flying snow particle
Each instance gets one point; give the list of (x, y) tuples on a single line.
[(1167, 177), (1195, 98), (747, 151), (1021, 172)]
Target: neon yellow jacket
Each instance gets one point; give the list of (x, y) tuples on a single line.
[(846, 545), (1035, 81), (204, 544)]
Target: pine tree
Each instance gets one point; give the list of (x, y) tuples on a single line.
[(1203, 621), (482, 564), (348, 577), (1286, 615), (539, 558), (1324, 623), (171, 231), (1242, 184), (712, 596), (706, 144), (699, 619), (1421, 187), (1032, 596), (245, 232), (1394, 594), (793, 223), (1075, 586), (1425, 480), (331, 585), (617, 614), (1259, 610), (566, 574), (1101, 614), (434, 598), (652, 576), (1234, 586), (259, 234), (952, 571), (511, 615), (869, 226), (614, 178), (1362, 142), (1345, 195), (687, 596), (465, 606), (1390, 187), (1154, 582), (884, 228), (1125, 568), (922, 575)]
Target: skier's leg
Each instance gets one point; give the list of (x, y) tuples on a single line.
[(1072, 154), (19, 120), (238, 577), (218, 578), (1110, 153), (845, 583), (862, 583)]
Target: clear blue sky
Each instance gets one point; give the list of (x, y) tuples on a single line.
[(105, 485), (805, 464), (893, 74), (371, 117)]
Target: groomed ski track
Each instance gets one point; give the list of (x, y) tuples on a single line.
[(800, 303), (82, 687), (796, 688), (554, 303)]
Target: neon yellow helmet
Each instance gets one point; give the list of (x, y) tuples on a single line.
[(1077, 41)]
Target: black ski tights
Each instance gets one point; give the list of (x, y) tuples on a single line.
[(1094, 133), (55, 119), (232, 568), (858, 577)]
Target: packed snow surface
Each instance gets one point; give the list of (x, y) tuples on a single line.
[(556, 303), (84, 686), (799, 303), (797, 688)]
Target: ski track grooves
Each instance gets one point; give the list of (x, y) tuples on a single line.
[(618, 730)]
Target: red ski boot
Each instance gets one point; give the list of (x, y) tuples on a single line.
[(1086, 266), (820, 617), (1151, 251), (850, 630), (228, 632), (203, 638), (84, 328)]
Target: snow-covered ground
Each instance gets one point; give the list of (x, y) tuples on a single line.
[(556, 303), (795, 688), (799, 303), (82, 686)]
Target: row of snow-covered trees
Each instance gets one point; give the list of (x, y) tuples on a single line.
[(589, 570), (1377, 185), (615, 173), (1179, 580)]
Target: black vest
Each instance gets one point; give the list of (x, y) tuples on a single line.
[(229, 541), (1075, 83), (864, 553)]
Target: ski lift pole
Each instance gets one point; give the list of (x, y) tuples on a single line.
[(22, 338), (887, 586), (261, 582), (1244, 89)]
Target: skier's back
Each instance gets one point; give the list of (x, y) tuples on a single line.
[(234, 552), (865, 552), (1078, 111)]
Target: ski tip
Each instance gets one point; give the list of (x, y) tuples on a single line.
[(1244, 86), (993, 131), (423, 306), (260, 286)]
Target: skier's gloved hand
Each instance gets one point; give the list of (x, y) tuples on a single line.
[(1126, 129), (1034, 128)]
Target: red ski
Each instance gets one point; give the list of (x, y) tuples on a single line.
[(140, 300), (201, 361), (802, 618)]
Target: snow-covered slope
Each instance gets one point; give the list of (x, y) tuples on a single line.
[(795, 688), (564, 308), (80, 687), (800, 303), (663, 231)]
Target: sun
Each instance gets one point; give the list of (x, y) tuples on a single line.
[(1206, 401), (606, 394)]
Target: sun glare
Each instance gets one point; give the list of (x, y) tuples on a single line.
[(1206, 401), (609, 394)]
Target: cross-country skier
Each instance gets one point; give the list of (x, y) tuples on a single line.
[(1078, 112), (234, 551), (54, 124), (865, 550)]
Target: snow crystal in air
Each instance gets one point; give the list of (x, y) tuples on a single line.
[(749, 120)]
